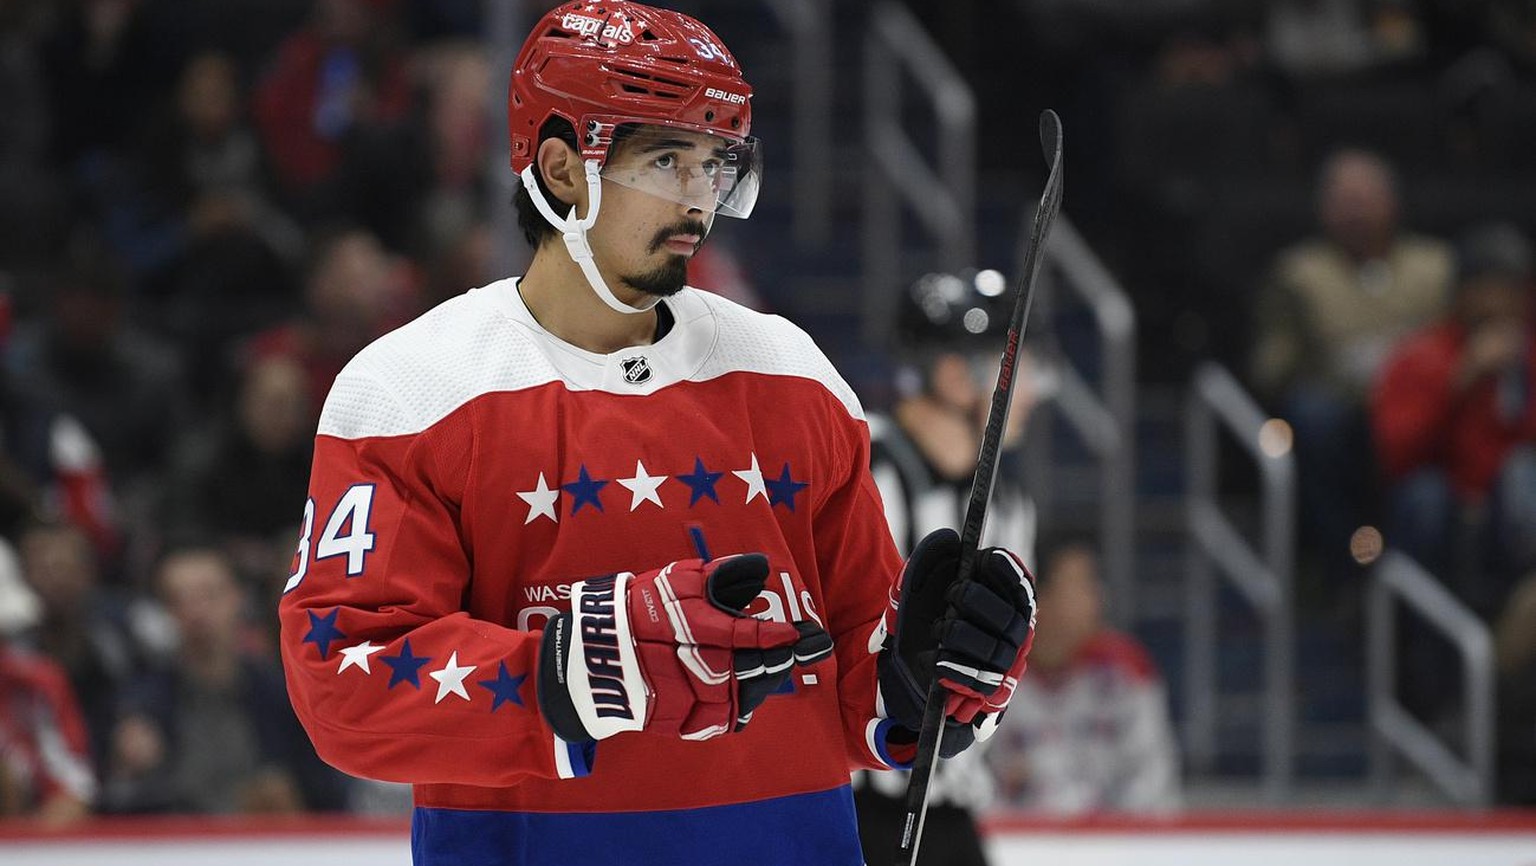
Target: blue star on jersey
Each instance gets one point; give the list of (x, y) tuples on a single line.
[(644, 487), (584, 491), (701, 481), (504, 687), (322, 631), (405, 668), (784, 489)]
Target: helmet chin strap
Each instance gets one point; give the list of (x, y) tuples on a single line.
[(574, 231)]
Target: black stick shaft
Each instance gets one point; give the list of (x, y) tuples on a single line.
[(932, 734)]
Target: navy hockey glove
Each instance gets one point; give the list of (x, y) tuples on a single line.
[(976, 634), (668, 651)]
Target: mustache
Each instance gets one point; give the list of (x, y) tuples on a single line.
[(686, 227)]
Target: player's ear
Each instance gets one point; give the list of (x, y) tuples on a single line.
[(563, 173)]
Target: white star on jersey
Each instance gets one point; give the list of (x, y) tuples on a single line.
[(642, 487), (541, 502), (451, 679), (357, 656), (754, 479)]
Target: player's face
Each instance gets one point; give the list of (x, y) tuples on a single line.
[(659, 195)]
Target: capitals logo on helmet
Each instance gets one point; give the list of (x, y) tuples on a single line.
[(603, 63)]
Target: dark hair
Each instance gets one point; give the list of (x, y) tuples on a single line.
[(535, 227), (1052, 544)]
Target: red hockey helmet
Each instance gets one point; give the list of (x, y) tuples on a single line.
[(603, 63)]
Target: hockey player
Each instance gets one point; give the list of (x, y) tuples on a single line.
[(951, 329), (593, 559)]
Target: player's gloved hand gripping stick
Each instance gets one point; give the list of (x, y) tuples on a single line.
[(975, 634), (668, 650), (966, 658)]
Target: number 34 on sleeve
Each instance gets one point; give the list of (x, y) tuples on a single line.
[(346, 534)]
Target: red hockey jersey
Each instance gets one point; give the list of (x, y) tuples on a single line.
[(470, 467), (44, 744)]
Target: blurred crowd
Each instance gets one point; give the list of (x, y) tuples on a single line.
[(1335, 199), (207, 208), (1406, 368)]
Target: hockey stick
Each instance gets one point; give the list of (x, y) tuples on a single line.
[(981, 488)]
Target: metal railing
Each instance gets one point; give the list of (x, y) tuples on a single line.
[(1104, 419), (944, 201), (942, 198), (809, 24), (1264, 578), (1468, 781)]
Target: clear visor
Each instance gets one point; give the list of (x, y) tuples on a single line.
[(710, 173)]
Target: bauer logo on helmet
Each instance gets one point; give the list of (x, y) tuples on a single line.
[(733, 98)]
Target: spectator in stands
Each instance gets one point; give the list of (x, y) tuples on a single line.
[(212, 732), (263, 449), (45, 762), (458, 134), (225, 286), (50, 465), (1092, 733), (96, 68), (1332, 309), (32, 200), (247, 31), (189, 208), (333, 112), (462, 260), (1454, 414), (124, 385), (354, 291), (195, 170), (101, 638), (1515, 647)]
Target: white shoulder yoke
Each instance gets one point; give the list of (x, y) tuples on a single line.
[(486, 341), (762, 343)]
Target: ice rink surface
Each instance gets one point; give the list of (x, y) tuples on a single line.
[(1380, 839)]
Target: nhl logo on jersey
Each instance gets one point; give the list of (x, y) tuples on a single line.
[(636, 370)]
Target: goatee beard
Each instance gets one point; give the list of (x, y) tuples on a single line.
[(668, 278), (664, 281)]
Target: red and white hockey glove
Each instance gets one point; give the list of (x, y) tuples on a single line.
[(668, 651), (976, 634)]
